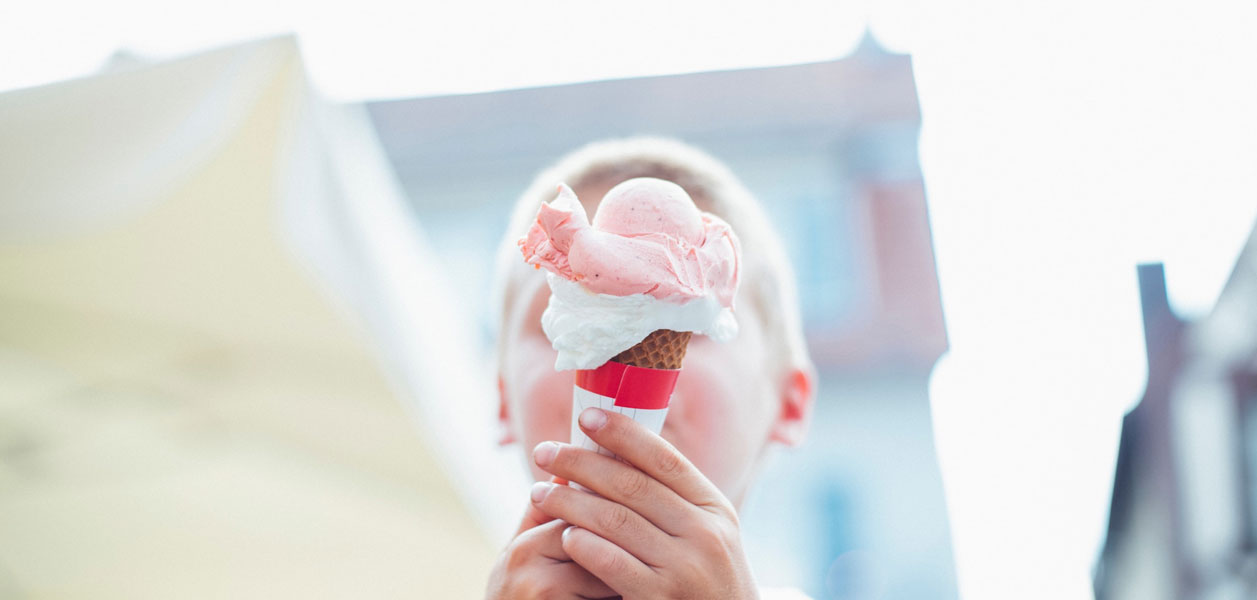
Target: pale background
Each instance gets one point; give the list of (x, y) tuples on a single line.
[(1060, 145), (184, 412)]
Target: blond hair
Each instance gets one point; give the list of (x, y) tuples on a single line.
[(767, 280)]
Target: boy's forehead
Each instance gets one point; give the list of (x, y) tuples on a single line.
[(590, 194)]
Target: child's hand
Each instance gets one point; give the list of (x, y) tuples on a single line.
[(534, 565), (659, 530)]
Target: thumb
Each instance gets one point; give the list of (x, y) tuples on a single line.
[(534, 517)]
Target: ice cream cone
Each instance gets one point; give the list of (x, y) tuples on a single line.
[(646, 272), (637, 383), (662, 349)]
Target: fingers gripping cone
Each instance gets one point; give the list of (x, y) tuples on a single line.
[(637, 382)]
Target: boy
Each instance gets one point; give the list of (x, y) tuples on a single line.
[(664, 523)]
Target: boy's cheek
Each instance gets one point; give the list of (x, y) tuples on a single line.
[(701, 425), (548, 415), (541, 407), (721, 413)]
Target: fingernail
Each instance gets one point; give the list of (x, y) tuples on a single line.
[(540, 490), (544, 453), (593, 419), (567, 531)]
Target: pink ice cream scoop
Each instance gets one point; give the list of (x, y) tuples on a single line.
[(646, 238)]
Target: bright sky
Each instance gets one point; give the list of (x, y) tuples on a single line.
[(381, 49), (371, 49), (1061, 145)]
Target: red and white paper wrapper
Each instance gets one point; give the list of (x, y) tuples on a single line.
[(638, 392)]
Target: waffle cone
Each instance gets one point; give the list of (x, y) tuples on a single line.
[(662, 349)]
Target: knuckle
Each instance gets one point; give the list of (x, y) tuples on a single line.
[(709, 540), (717, 537), (614, 520), (609, 562), (545, 589), (632, 484), (531, 589), (728, 515), (669, 463), (517, 555), (687, 573)]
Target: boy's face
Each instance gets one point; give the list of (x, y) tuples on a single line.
[(721, 416)]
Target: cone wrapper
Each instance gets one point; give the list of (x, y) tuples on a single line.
[(640, 393)]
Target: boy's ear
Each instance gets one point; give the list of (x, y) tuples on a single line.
[(504, 416), (795, 412)]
